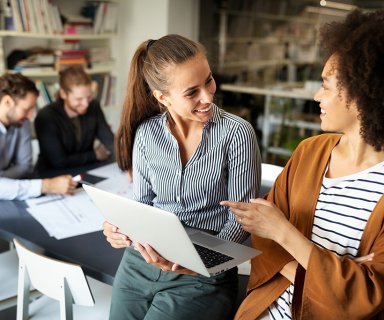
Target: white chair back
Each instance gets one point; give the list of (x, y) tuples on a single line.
[(58, 280), (269, 173)]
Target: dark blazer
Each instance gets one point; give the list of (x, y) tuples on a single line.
[(56, 134)]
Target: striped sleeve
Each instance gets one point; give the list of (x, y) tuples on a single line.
[(244, 176)]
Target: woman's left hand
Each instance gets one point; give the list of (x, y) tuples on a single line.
[(259, 217), (363, 259), (155, 259)]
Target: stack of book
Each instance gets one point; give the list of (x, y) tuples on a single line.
[(100, 56), (66, 58), (38, 62), (76, 24)]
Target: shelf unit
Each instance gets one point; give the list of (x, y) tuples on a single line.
[(91, 38), (255, 46), (54, 73), (11, 39), (11, 33), (258, 48), (272, 119)]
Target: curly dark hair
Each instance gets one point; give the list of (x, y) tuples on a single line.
[(358, 45)]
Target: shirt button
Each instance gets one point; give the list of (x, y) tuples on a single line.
[(178, 199)]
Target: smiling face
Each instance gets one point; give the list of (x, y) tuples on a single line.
[(191, 91), (336, 113), (76, 100)]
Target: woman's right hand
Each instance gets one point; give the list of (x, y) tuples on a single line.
[(114, 237), (59, 185)]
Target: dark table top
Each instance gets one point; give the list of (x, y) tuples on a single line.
[(97, 258)]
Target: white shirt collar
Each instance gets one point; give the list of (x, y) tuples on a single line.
[(3, 129)]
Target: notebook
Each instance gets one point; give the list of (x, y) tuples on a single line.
[(166, 234)]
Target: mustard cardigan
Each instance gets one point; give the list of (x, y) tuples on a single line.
[(330, 288)]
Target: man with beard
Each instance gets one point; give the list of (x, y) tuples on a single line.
[(68, 128), (18, 96)]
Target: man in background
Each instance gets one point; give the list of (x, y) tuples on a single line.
[(18, 96), (68, 128)]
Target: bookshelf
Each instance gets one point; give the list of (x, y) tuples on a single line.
[(282, 127), (24, 34), (78, 33), (256, 46), (262, 52)]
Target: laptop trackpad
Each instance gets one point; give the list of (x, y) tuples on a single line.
[(206, 239)]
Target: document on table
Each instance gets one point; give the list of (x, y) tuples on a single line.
[(68, 216), (116, 181)]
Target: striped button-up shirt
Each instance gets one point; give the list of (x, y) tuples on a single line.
[(225, 166)]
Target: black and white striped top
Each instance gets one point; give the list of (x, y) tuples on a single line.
[(342, 211), (225, 165)]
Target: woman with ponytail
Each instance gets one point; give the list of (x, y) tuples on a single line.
[(185, 155)]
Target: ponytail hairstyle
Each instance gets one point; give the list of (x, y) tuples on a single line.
[(148, 73)]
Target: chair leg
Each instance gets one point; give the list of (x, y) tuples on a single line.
[(66, 302), (23, 288)]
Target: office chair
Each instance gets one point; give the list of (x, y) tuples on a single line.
[(269, 173), (62, 285)]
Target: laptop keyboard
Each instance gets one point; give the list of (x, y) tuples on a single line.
[(210, 257)]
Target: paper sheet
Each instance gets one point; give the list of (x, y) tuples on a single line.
[(67, 216), (109, 171), (117, 181)]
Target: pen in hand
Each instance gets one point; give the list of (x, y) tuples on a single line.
[(79, 179)]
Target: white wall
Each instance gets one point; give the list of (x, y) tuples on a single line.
[(184, 18), (140, 20)]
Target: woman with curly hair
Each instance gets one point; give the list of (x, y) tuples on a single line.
[(321, 227)]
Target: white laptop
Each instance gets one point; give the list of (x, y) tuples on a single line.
[(164, 232)]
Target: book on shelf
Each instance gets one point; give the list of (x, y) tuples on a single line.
[(62, 63), (17, 22), (100, 55), (35, 62), (6, 19), (105, 19), (47, 93), (104, 89), (31, 70), (37, 16), (65, 58), (71, 52), (23, 14), (2, 63), (76, 24), (45, 17), (43, 98)]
